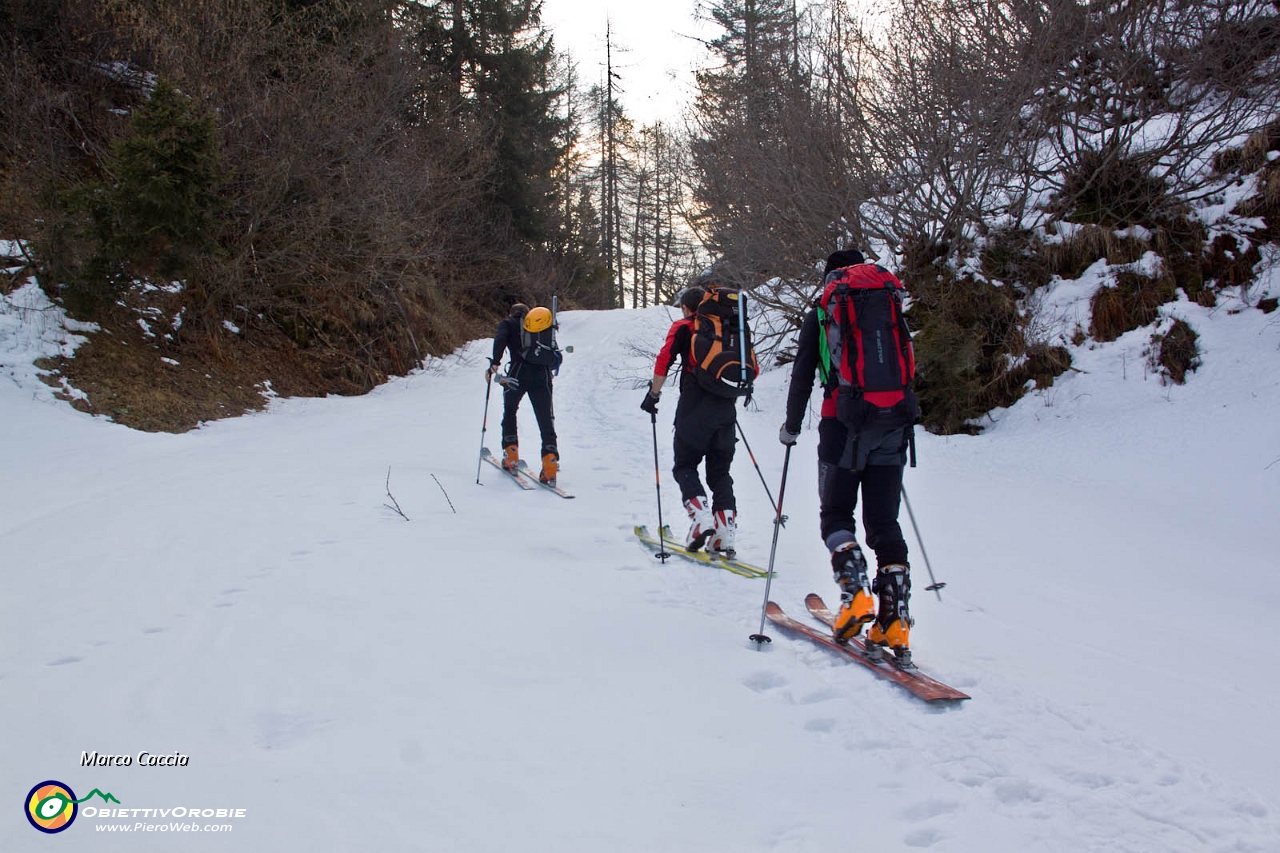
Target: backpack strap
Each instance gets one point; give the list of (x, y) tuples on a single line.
[(847, 347), (904, 348)]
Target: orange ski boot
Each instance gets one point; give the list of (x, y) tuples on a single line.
[(857, 607), (892, 628)]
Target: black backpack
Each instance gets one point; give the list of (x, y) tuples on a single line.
[(721, 336), (540, 347)]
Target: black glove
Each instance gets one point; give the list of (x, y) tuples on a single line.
[(650, 403), (788, 437)]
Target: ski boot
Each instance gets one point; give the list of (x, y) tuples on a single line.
[(724, 539), (510, 458), (857, 607), (704, 525), (550, 467), (892, 628)]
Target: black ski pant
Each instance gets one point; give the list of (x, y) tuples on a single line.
[(879, 480), (536, 382), (705, 427)]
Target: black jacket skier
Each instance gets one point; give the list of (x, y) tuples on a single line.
[(523, 378), (870, 461)]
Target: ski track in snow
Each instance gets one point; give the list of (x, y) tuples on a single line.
[(523, 673)]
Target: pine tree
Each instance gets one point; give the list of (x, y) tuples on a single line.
[(745, 113), (498, 61), (154, 215)]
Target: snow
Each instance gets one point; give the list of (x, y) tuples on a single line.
[(521, 674)]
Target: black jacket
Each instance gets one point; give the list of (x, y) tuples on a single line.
[(803, 371), (507, 337)]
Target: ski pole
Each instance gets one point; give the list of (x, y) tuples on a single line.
[(772, 503), (933, 586), (662, 541), (484, 424), (761, 638)]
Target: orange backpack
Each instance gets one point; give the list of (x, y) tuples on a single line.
[(724, 361)]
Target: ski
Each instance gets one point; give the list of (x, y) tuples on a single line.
[(738, 567), (521, 480), (524, 469), (912, 679)]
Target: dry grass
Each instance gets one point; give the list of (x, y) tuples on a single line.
[(125, 379), (1089, 244), (219, 374), (1176, 352), (1133, 302)]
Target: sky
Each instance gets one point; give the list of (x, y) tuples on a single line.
[(660, 49), (494, 669)]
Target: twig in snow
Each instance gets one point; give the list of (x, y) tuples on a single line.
[(446, 494), (396, 508), (1273, 461)]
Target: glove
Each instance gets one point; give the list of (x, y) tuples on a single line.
[(788, 437), (493, 368), (650, 403)]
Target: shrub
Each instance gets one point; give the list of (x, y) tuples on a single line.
[(1180, 243), (1175, 353), (1017, 257), (1226, 264), (967, 331), (1110, 188)]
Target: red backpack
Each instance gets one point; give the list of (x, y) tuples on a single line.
[(724, 362), (865, 348)]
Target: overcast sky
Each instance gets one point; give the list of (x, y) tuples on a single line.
[(656, 67)]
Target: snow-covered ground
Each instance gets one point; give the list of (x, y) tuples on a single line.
[(511, 671)]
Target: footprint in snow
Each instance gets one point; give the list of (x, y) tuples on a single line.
[(763, 681), (817, 696), (922, 838), (926, 809), (64, 661), (154, 630)]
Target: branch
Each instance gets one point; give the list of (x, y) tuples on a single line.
[(446, 494), (389, 506)]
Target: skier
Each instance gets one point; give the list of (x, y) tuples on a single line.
[(704, 430), (525, 334), (872, 460)]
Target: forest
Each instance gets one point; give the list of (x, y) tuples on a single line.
[(310, 196)]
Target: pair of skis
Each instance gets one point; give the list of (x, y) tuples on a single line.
[(908, 677), (707, 558), (524, 478)]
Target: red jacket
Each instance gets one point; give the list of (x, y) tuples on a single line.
[(679, 337)]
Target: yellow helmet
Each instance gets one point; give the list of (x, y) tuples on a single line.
[(537, 320)]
